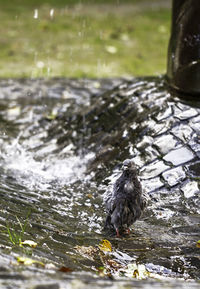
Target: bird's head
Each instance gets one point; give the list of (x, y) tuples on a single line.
[(129, 166)]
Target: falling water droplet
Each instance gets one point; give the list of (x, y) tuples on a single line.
[(48, 71), (40, 64), (35, 14), (52, 13)]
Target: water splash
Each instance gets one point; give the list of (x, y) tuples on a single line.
[(24, 164)]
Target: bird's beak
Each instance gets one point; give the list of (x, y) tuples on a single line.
[(125, 167)]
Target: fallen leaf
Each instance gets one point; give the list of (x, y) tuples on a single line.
[(90, 196), (28, 261), (105, 246), (198, 244), (101, 268), (50, 116), (65, 269), (29, 243), (88, 252), (112, 264)]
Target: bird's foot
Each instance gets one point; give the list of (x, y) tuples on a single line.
[(128, 231)]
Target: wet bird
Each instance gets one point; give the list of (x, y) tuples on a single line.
[(125, 202)]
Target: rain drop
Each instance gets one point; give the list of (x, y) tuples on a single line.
[(52, 13), (35, 16)]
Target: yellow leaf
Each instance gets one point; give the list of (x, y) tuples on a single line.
[(105, 246), (90, 196), (29, 243), (198, 244), (28, 261), (50, 116)]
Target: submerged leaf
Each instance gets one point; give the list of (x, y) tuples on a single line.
[(105, 246), (28, 261), (29, 243)]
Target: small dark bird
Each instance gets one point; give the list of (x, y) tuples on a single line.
[(125, 202)]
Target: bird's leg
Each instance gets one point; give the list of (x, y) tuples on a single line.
[(117, 231)]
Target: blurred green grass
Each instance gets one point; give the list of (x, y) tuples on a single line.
[(83, 38)]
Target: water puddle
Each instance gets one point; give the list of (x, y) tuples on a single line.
[(62, 143)]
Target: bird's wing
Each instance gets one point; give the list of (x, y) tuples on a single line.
[(108, 199), (107, 195), (146, 199)]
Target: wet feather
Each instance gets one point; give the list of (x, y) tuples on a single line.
[(124, 201)]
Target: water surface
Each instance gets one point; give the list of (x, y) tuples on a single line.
[(62, 142)]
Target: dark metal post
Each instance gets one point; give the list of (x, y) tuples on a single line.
[(183, 69)]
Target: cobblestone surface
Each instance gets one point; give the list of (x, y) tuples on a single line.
[(174, 176), (118, 119), (163, 139), (179, 156)]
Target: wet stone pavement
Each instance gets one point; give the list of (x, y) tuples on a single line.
[(62, 142)]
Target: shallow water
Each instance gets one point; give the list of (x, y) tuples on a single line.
[(62, 142)]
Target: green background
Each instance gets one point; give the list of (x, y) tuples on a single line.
[(83, 38)]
